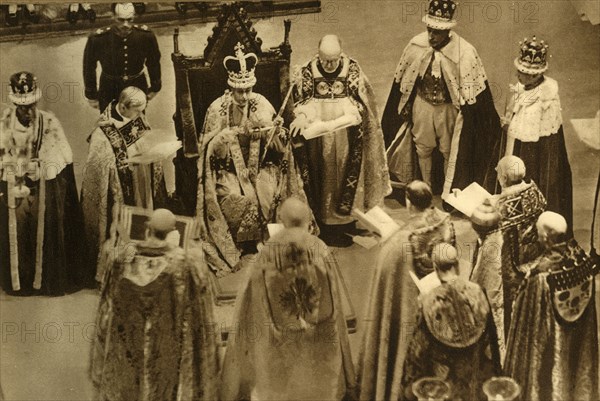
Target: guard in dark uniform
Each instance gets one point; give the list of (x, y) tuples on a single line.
[(123, 50)]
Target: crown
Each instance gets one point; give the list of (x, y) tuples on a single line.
[(241, 68), (24, 89), (532, 59), (440, 14)]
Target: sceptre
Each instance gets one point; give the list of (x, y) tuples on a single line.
[(279, 114), (503, 136)]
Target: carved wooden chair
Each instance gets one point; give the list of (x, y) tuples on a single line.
[(201, 80)]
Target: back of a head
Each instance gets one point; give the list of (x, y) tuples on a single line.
[(512, 168), (294, 213), (444, 256), (419, 194), (553, 227), (133, 97), (455, 297), (161, 223)]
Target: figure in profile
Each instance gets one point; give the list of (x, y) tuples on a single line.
[(110, 179), (507, 238), (393, 294)]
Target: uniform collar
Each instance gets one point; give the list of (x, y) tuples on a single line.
[(119, 33)]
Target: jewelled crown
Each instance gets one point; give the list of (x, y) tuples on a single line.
[(440, 14), (533, 56), (24, 89), (241, 68)]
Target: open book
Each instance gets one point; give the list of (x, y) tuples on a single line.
[(427, 283), (378, 222), (319, 129), (467, 200), (154, 146)]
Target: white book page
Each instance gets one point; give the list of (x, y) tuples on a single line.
[(467, 200), (317, 130), (377, 221), (427, 283), (385, 224)]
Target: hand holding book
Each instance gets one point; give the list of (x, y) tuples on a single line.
[(467, 200)]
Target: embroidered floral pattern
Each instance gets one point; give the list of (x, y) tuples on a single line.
[(300, 298), (214, 213)]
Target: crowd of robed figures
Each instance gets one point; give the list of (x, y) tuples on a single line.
[(439, 125)]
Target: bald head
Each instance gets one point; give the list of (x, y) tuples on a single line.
[(294, 213), (330, 52), (552, 228), (161, 223), (133, 96), (511, 171), (444, 256)]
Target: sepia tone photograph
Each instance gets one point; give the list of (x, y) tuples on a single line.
[(324, 200)]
